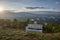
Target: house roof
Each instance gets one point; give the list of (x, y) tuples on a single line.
[(35, 26)]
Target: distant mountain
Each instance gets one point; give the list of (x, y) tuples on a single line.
[(26, 15)]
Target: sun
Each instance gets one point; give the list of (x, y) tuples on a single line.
[(1, 9)]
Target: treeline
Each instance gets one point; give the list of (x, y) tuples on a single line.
[(51, 28)]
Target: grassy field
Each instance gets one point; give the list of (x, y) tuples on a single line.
[(16, 34), (14, 30)]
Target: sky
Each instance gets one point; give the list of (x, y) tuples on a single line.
[(31, 5)]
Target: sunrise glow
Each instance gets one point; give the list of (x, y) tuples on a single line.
[(1, 9)]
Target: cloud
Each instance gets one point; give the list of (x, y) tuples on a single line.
[(15, 0), (57, 2), (12, 1), (35, 8), (29, 9)]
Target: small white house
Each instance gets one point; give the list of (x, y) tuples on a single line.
[(34, 27)]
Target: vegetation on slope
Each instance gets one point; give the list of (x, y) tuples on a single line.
[(15, 30)]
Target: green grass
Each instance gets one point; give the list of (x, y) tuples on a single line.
[(13, 34), (14, 30), (16, 34)]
